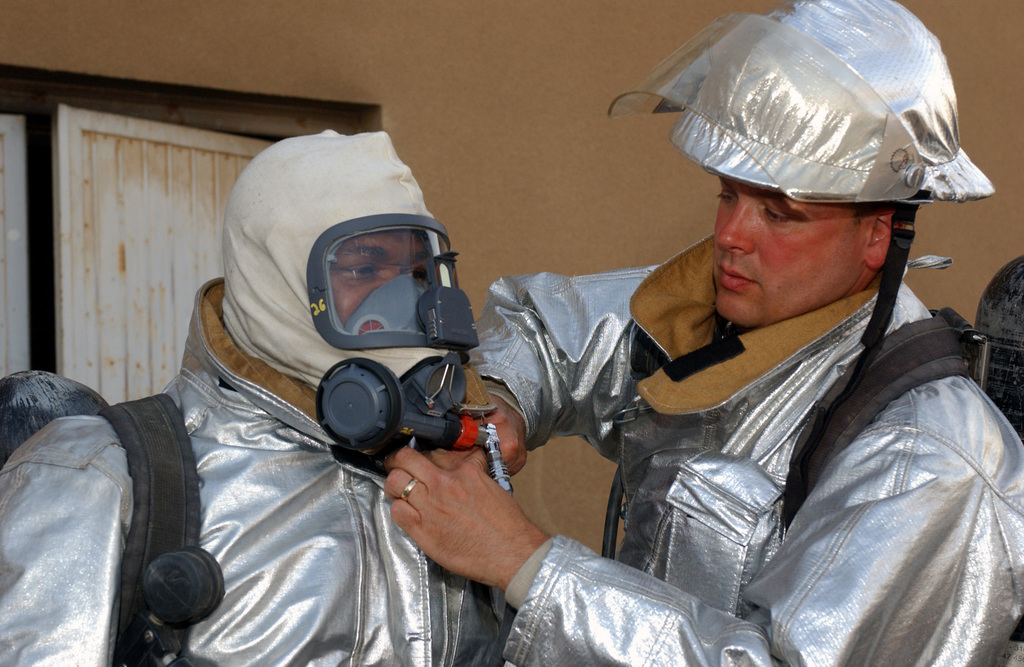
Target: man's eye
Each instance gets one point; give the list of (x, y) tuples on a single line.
[(357, 272), (775, 216), (726, 197)]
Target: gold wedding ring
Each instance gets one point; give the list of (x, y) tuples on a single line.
[(408, 488)]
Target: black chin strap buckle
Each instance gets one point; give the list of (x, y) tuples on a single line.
[(903, 226)]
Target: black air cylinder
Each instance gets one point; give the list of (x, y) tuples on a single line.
[(1001, 318)]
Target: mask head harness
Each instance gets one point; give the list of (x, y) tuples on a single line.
[(387, 281)]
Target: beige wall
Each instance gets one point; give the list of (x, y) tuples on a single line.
[(499, 107)]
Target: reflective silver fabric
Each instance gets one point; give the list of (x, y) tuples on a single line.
[(316, 573), (831, 100), (909, 550)]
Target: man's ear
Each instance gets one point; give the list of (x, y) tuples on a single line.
[(879, 230)]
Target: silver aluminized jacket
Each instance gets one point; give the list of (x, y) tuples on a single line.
[(909, 550), (315, 571)]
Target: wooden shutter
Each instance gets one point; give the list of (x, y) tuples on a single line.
[(139, 210), (14, 343)]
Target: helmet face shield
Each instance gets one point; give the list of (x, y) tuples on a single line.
[(367, 279), (765, 104)]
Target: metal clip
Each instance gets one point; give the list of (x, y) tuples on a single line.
[(631, 412), (495, 464)]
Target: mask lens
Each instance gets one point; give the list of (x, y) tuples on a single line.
[(375, 258), (376, 277), (387, 280)]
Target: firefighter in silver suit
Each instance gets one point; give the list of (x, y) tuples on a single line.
[(823, 122), (315, 572)]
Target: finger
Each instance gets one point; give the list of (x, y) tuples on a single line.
[(451, 461), (463, 453), (413, 485), (432, 468), (405, 516), (396, 482), (472, 455), (514, 455), (477, 458), (448, 460), (410, 460), (508, 420), (511, 434), (400, 485)]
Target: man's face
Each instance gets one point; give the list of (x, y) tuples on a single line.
[(365, 262), (776, 258)]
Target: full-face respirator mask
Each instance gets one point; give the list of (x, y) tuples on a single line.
[(389, 281)]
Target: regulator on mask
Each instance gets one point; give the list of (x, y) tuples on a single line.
[(387, 281)]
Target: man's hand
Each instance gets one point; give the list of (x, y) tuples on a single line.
[(511, 434), (459, 516)]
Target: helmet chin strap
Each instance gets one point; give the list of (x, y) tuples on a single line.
[(892, 273), (892, 276)]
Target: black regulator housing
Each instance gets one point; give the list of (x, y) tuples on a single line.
[(365, 407)]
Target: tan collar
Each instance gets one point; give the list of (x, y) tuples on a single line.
[(676, 306), (220, 345)]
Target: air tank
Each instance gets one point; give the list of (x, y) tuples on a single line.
[(30, 400), (1001, 318)]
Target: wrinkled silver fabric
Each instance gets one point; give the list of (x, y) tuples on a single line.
[(316, 573), (910, 550), (830, 100)]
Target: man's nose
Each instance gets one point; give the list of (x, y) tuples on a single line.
[(734, 227)]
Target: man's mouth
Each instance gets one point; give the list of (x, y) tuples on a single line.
[(733, 281)]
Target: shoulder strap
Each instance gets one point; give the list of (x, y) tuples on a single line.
[(165, 487), (914, 354), (645, 358)]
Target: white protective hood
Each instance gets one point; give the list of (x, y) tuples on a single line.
[(282, 201)]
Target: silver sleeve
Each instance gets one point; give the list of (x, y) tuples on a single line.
[(560, 345), (63, 512), (909, 551)]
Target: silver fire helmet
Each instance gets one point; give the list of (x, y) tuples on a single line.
[(823, 100)]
